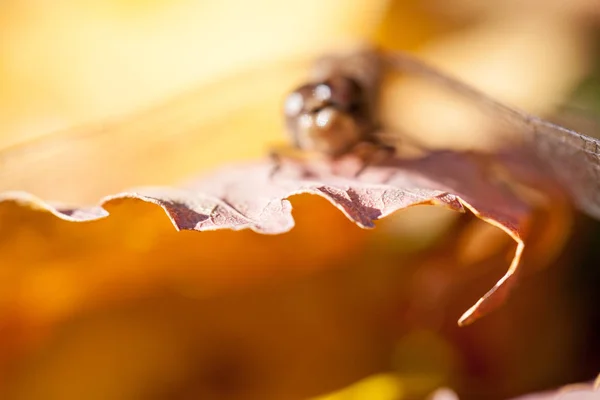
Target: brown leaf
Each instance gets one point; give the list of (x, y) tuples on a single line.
[(249, 197)]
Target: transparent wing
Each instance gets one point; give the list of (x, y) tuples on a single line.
[(230, 119), (573, 158)]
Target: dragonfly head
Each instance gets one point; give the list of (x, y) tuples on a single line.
[(329, 117)]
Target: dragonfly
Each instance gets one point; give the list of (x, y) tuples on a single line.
[(335, 112)]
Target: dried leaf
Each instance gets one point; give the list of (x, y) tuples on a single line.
[(249, 197)]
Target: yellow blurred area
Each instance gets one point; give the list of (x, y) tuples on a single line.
[(65, 62), (378, 387), (181, 138), (128, 308)]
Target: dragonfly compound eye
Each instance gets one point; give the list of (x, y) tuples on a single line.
[(345, 93)]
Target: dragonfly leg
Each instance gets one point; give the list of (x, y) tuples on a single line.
[(275, 158), (372, 154), (282, 153)]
